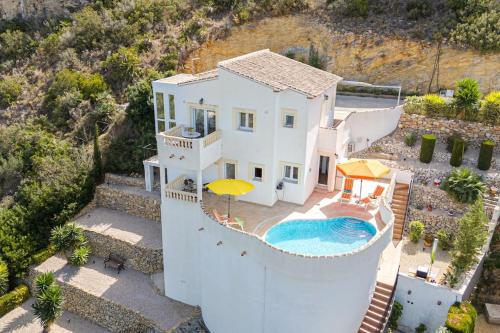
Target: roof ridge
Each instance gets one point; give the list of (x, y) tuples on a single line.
[(243, 56)]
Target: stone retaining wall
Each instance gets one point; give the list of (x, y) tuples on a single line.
[(147, 207), (423, 195), (433, 222), (112, 178), (141, 259), (472, 131), (107, 314)]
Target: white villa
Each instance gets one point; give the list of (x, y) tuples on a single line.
[(273, 122)]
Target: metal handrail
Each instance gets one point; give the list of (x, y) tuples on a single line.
[(407, 211)]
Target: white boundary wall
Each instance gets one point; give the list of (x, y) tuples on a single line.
[(244, 285)]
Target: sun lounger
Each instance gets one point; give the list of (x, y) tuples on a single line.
[(230, 222), (347, 190), (372, 197)]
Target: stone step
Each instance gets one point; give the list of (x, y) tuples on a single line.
[(373, 322), (129, 199), (124, 302), (136, 239)]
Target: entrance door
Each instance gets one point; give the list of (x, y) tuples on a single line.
[(324, 163), (230, 170), (204, 121)]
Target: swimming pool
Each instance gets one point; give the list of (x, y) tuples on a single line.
[(320, 237)]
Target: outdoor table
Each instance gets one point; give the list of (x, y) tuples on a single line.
[(191, 135)]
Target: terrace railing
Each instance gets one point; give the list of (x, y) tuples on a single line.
[(174, 190), (173, 137)]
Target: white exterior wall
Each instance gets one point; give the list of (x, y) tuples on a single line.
[(269, 145), (421, 305), (265, 289)]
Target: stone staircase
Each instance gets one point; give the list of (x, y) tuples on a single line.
[(378, 310), (399, 207), (123, 219)]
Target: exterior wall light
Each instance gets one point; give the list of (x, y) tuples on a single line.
[(219, 243), (171, 156), (201, 229), (243, 253), (182, 157), (201, 100)]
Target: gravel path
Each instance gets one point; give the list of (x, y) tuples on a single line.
[(134, 230), (22, 320)]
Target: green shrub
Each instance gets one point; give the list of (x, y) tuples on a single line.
[(417, 9), (457, 153), (414, 105), (479, 31), (461, 318), (80, 256), (470, 237), (121, 68), (13, 299), (490, 108), (416, 231), (67, 237), (351, 7), (87, 31), (485, 155), (15, 45), (43, 255), (466, 98), (10, 89), (4, 277), (44, 281), (420, 328), (396, 313), (464, 185), (427, 148), (411, 139), (445, 239), (450, 141), (91, 85), (434, 106)]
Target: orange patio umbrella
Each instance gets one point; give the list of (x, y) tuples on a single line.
[(363, 169)]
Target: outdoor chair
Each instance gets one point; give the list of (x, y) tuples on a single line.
[(347, 190), (114, 261), (229, 221), (372, 197)]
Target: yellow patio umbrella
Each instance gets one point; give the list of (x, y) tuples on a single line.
[(363, 169), (230, 187)]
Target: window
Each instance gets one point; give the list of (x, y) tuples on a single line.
[(289, 121), (230, 170), (291, 173), (246, 121), (256, 172), (289, 118), (171, 111), (160, 112)]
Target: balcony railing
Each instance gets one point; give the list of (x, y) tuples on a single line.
[(173, 137), (173, 190)]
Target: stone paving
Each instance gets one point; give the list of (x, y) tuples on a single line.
[(130, 290), (22, 320)]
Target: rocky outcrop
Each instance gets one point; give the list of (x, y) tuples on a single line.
[(366, 57), (38, 9)]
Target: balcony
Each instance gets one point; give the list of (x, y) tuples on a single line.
[(192, 154)]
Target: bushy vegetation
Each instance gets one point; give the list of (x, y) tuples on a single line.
[(470, 238), (396, 313), (56, 183), (427, 147), (418, 9), (465, 105), (13, 299), (485, 154), (4, 278), (66, 238), (80, 256), (351, 7), (464, 185), (416, 231), (10, 89), (461, 318), (446, 239)]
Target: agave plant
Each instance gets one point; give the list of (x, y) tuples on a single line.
[(80, 256), (48, 304), (67, 237), (464, 185)]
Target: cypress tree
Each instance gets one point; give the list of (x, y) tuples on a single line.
[(98, 169), (457, 154), (427, 148), (485, 155)]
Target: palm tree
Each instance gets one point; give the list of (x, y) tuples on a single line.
[(48, 305)]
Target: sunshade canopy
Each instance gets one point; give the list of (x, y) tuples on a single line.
[(230, 187), (363, 169)]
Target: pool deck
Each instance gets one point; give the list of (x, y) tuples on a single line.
[(320, 205)]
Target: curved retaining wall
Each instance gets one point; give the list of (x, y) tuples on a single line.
[(243, 284)]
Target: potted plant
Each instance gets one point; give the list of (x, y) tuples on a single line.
[(429, 207), (428, 239), (421, 328), (416, 230)]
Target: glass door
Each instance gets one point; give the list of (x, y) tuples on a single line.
[(204, 121), (324, 162), (230, 170)]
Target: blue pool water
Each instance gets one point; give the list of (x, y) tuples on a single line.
[(320, 237)]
